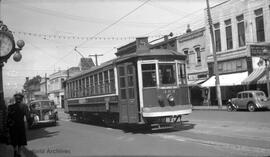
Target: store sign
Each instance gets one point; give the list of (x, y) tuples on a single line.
[(257, 50)]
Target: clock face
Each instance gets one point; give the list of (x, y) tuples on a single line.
[(6, 44)]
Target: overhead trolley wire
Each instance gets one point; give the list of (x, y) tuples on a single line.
[(109, 26)]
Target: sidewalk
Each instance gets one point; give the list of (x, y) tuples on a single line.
[(6, 150), (209, 108)]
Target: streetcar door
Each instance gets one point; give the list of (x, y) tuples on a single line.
[(128, 104)]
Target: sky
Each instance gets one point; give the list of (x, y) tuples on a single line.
[(52, 29)]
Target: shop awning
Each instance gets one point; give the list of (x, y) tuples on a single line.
[(262, 80), (254, 76), (226, 79), (195, 83)]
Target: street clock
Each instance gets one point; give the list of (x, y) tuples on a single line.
[(6, 44)]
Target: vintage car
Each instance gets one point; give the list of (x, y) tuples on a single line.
[(251, 100), (42, 111)]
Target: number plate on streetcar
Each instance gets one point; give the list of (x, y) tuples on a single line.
[(46, 117)]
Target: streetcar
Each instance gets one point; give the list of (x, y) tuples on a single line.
[(141, 85)]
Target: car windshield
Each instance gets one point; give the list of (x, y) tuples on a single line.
[(260, 95), (42, 104), (45, 104)]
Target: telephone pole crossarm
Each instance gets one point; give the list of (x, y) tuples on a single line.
[(96, 56)]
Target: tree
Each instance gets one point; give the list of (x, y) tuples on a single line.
[(32, 85)]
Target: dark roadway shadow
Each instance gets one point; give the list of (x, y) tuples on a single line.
[(36, 133), (141, 129), (147, 130), (40, 132), (28, 153)]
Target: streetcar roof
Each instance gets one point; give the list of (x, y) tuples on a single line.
[(94, 68), (145, 53)]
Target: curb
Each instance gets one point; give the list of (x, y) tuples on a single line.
[(209, 109)]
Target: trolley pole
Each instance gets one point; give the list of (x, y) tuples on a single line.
[(218, 91), (96, 56)]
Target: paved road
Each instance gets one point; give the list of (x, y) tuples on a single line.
[(204, 133)]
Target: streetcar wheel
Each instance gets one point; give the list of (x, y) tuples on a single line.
[(251, 107)]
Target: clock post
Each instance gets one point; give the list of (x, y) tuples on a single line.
[(7, 48)]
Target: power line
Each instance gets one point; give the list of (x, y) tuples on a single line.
[(180, 19), (77, 18), (103, 30)]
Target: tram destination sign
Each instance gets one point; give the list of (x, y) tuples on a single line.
[(257, 50)]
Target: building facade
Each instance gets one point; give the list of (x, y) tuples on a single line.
[(44, 86), (241, 31), (56, 90), (192, 43)]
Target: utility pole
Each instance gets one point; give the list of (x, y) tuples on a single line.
[(96, 55), (218, 91), (46, 89)]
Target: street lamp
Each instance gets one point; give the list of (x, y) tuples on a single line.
[(7, 48)]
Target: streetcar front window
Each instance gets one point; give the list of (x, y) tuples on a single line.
[(167, 74), (149, 75)]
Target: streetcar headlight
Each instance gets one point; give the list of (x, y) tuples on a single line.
[(170, 98)]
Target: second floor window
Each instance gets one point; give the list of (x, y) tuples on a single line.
[(259, 25), (217, 37), (241, 30), (198, 54), (228, 30), (186, 53)]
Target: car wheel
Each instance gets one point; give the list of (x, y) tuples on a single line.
[(229, 108), (251, 107)]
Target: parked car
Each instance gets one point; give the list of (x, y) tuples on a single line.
[(42, 111), (250, 100)]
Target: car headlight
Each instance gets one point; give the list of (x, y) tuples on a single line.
[(36, 118)]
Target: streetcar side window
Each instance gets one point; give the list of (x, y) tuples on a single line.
[(149, 75), (83, 87), (167, 74), (87, 86), (100, 86), (80, 88), (91, 85), (182, 73), (122, 82), (76, 87), (96, 84), (106, 81), (112, 83)]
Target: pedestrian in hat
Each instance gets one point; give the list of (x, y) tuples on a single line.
[(16, 113)]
